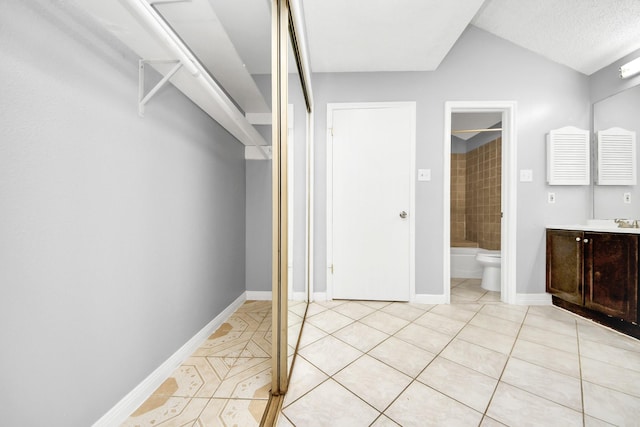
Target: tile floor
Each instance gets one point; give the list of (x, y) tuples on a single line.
[(225, 382), (476, 362)]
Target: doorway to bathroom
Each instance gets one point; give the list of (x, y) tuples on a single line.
[(480, 196)]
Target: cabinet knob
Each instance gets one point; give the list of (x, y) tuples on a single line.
[(586, 240), (577, 239)]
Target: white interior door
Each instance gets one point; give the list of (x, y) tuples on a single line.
[(372, 163)]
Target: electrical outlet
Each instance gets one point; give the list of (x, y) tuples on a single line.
[(627, 197), (424, 174), (551, 197)]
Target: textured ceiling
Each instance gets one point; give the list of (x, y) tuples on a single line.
[(585, 35), (407, 35)]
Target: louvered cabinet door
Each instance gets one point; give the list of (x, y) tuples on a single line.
[(616, 157), (611, 274), (565, 265)]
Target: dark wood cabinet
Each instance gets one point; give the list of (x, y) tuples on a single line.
[(594, 270)]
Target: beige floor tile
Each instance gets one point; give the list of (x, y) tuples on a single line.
[(456, 312), (167, 412), (425, 338), (283, 421), (515, 407), (611, 376), (332, 303), (258, 346), (505, 327), (310, 334), (249, 378), (361, 336), (329, 354), (403, 356), (594, 422), (304, 378), (376, 383), (559, 388), (609, 354), (405, 310), (254, 305), (384, 322), (487, 338), (547, 357), (298, 307), (478, 358), (420, 405), (460, 383), (490, 297), (511, 313), (330, 404), (196, 377), (553, 325), (246, 321), (384, 421), (548, 338), (553, 312), (315, 308), (231, 344), (232, 412), (329, 321), (465, 294), (490, 422), (605, 404), (354, 310), (375, 304), (442, 324), (598, 333)]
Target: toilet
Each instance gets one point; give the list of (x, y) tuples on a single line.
[(490, 262)]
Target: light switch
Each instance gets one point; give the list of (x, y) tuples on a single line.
[(526, 175), (424, 174)]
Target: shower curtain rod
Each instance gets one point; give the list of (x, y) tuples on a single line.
[(476, 130)]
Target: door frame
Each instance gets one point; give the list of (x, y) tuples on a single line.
[(331, 107), (508, 197)]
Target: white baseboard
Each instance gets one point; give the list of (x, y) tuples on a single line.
[(299, 296), (533, 299), (136, 397), (258, 295), (319, 296), (429, 299)]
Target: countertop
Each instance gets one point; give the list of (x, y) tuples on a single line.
[(596, 228)]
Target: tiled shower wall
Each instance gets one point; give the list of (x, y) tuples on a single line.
[(480, 199), (458, 191)]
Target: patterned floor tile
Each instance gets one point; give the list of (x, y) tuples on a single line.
[(167, 411), (231, 413)]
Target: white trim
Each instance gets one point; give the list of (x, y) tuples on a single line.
[(429, 299), (509, 190), (533, 299), (320, 296), (331, 107), (298, 296), (258, 295), (136, 397)]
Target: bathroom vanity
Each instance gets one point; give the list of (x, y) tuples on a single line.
[(593, 272)]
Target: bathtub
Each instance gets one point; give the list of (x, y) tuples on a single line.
[(464, 264)]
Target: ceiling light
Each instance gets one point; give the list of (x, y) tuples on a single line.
[(630, 69)]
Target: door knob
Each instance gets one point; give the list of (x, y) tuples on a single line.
[(403, 214)]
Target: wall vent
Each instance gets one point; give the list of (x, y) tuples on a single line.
[(616, 157), (568, 156)]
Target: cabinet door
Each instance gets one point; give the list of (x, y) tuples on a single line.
[(611, 275), (564, 265)]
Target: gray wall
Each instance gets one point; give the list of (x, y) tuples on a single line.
[(121, 236), (549, 96)]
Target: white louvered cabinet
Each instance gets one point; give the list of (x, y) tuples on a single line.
[(616, 157), (568, 156)]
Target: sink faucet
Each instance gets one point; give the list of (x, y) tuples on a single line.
[(627, 223)]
